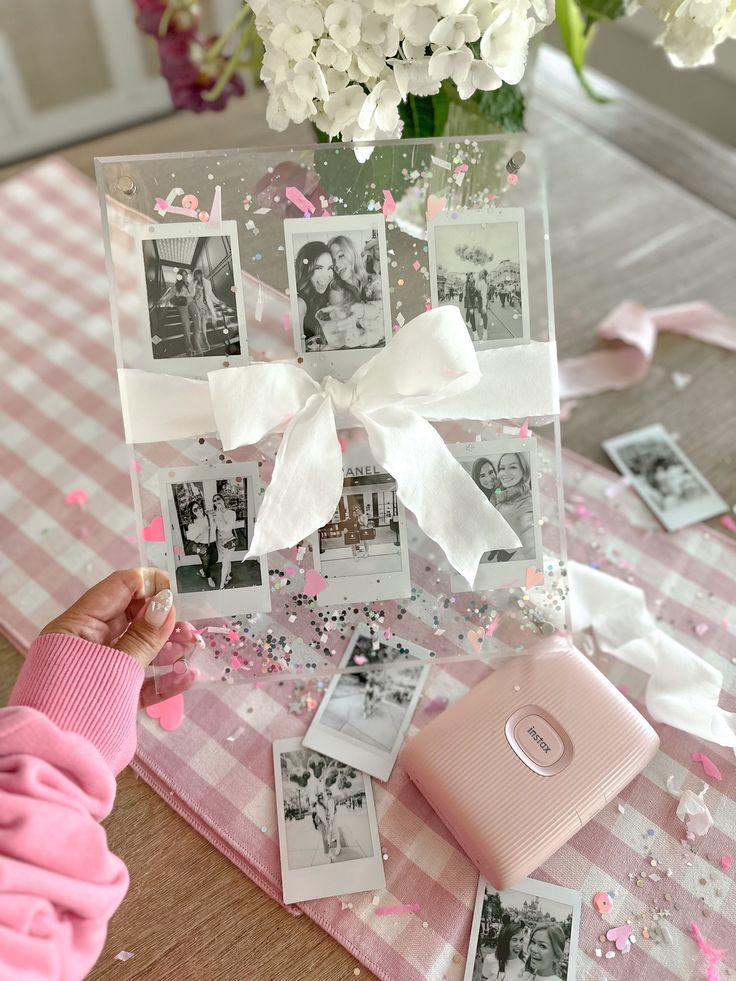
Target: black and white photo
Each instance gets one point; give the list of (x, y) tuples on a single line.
[(362, 552), (364, 715), (193, 295), (477, 262), (328, 833), (211, 514), (677, 493), (505, 470), (529, 932), (339, 288)]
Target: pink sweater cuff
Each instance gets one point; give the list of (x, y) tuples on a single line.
[(85, 688)]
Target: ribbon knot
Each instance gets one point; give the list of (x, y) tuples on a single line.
[(342, 394), (429, 371)]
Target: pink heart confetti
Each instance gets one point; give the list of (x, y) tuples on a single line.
[(155, 531), (708, 765), (726, 861), (314, 583), (475, 637), (389, 205), (233, 636), (299, 201), (619, 935), (524, 429), (533, 577), (77, 496), (360, 659), (170, 712), (434, 206)]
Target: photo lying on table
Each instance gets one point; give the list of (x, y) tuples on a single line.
[(339, 289), (506, 472), (362, 552), (193, 295), (211, 513), (363, 717), (530, 931), (664, 478), (477, 262), (328, 832)]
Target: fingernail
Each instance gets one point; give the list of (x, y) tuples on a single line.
[(159, 607)]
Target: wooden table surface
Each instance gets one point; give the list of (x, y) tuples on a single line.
[(641, 207)]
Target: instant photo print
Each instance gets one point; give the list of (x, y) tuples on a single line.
[(547, 728), (365, 712)]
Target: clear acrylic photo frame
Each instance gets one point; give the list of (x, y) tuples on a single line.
[(301, 639)]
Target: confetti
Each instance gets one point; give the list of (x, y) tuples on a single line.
[(691, 809), (524, 429), (617, 487), (439, 162), (314, 583), (286, 321), (154, 532), (77, 496), (402, 908), (123, 955), (708, 765), (728, 522), (602, 903), (712, 954), (234, 735), (434, 206), (170, 712), (726, 861), (389, 205), (619, 935), (299, 201)]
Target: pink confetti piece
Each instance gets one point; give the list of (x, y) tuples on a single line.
[(416, 265), (314, 583), (389, 205), (235, 662), (402, 908), (360, 659), (136, 466), (475, 638), (170, 712), (493, 627), (524, 429), (155, 531), (619, 935), (233, 636), (461, 169), (533, 578), (512, 179), (712, 954), (387, 633), (299, 201), (434, 206), (701, 629), (726, 862), (286, 321), (728, 522), (708, 765), (77, 496), (602, 903)]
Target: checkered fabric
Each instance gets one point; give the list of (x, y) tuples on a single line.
[(61, 430)]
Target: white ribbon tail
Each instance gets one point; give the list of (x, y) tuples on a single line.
[(306, 483), (683, 689), (430, 482)]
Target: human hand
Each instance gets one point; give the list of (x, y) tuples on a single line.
[(132, 610)]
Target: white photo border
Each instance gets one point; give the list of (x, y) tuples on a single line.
[(534, 887), (196, 366), (369, 587), (707, 506), (512, 573), (214, 602), (341, 364), (334, 879), (488, 217), (376, 762)]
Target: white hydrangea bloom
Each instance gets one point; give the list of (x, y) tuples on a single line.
[(347, 66), (693, 28)]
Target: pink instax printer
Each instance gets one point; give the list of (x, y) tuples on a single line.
[(518, 765)]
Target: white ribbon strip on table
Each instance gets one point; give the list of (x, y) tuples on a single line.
[(683, 689), (429, 370)]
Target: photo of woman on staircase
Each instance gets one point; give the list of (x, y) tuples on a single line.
[(193, 294)]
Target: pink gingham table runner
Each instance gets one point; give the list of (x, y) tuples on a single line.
[(61, 431)]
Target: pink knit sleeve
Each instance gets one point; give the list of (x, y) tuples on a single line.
[(69, 728)]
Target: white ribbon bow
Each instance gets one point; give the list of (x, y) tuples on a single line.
[(429, 370)]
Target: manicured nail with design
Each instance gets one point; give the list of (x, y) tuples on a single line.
[(159, 607)]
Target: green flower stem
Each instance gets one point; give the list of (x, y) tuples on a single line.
[(231, 65), (215, 49)]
